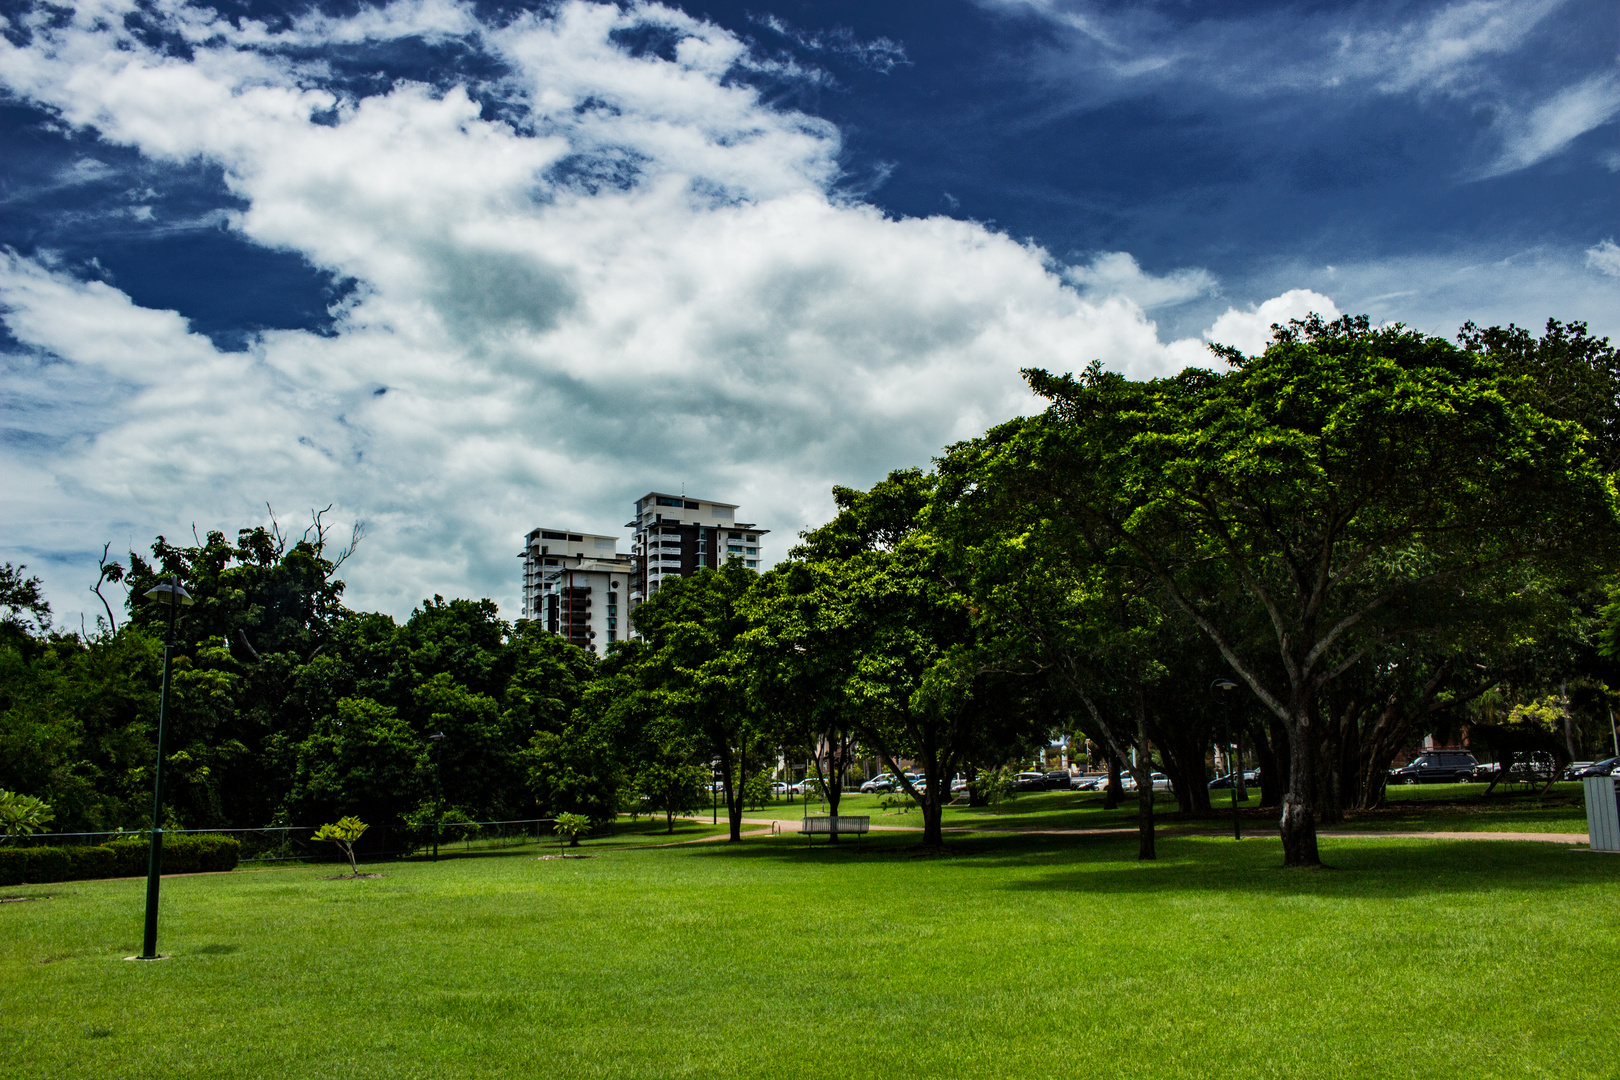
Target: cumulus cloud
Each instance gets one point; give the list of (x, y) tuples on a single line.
[(1604, 257), (1250, 330), (599, 272), (1117, 273)]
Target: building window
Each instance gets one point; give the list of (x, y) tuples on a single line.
[(751, 562), (753, 551), (663, 501)]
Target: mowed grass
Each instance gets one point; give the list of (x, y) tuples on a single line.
[(1419, 807), (1009, 956)]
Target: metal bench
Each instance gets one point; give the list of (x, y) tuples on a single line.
[(829, 826)]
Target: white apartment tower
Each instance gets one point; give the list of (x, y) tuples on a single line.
[(677, 535), (576, 585)]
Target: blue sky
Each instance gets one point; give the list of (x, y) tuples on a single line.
[(461, 270)]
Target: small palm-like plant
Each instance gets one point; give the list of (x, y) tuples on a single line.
[(571, 825), (22, 814), (344, 832)]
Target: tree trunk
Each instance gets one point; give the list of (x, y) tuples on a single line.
[(1112, 794), (1298, 825), (1145, 851), (733, 792), (932, 810), (1329, 806), (1272, 753), (1143, 774), (977, 796)]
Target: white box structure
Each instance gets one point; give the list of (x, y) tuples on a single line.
[(577, 586), (1603, 812)]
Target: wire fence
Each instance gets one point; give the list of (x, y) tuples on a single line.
[(296, 843)]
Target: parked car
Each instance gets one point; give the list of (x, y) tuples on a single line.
[(959, 784), (1029, 781), (1090, 783), (878, 785), (780, 787), (1606, 767), (1057, 780), (1437, 767), (1251, 778)]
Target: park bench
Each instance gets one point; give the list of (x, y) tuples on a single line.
[(829, 826)]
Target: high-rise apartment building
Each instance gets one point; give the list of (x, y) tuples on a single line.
[(677, 535), (578, 585)]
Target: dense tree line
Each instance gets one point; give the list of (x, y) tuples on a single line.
[(1374, 533)]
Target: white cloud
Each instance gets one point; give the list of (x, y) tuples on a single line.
[(1116, 273), (1334, 48), (1437, 291), (1547, 128), (1604, 257), (1472, 51), (640, 278), (1250, 330)]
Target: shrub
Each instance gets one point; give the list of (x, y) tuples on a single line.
[(120, 858)]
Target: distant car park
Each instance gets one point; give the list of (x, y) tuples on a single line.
[(1606, 767)]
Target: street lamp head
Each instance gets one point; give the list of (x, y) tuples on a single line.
[(1223, 684), (436, 736), (169, 592)]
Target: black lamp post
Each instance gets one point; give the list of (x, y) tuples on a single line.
[(437, 739), (172, 594), (1234, 775)]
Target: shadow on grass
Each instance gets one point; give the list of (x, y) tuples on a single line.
[(1356, 868)]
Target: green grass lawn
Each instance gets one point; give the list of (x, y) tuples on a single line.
[(1439, 807), (1010, 956)]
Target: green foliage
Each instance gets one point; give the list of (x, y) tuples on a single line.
[(22, 815), (190, 854), (22, 601), (571, 826), (756, 790), (365, 759), (345, 833), (681, 693)]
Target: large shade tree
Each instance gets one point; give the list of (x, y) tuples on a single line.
[(1341, 477)]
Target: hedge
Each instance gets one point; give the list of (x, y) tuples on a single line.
[(120, 858)]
